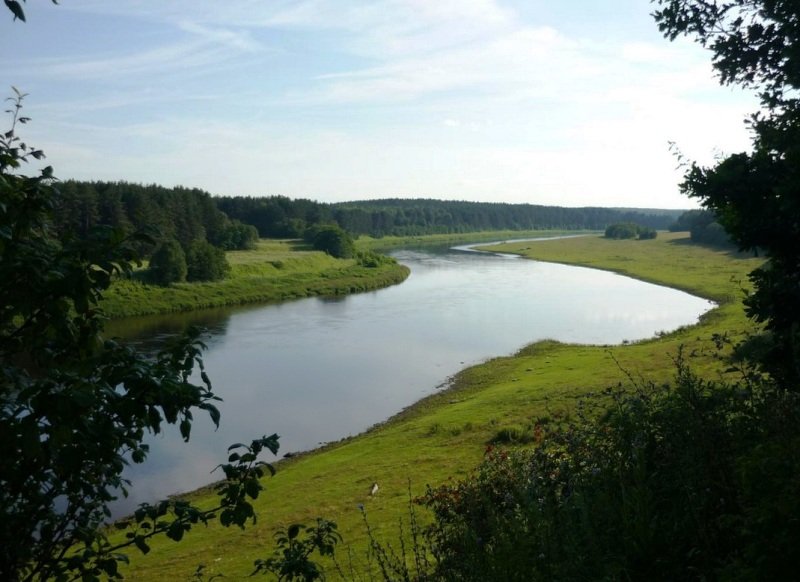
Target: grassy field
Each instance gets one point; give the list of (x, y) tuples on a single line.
[(390, 242), (274, 271), (445, 435)]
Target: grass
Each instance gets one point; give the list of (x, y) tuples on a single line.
[(445, 435), (274, 271), (391, 242)]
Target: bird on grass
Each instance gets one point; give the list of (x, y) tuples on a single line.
[(373, 490)]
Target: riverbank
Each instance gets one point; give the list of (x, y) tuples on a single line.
[(388, 243), (277, 270), (445, 435)]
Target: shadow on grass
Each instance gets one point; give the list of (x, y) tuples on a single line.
[(729, 249)]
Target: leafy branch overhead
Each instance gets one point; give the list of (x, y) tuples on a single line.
[(756, 195), (16, 8)]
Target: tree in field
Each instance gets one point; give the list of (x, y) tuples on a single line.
[(75, 407), (205, 262), (623, 230), (756, 195), (168, 264), (334, 241)]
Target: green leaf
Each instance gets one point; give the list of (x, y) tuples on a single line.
[(175, 531), (140, 543), (186, 429), (252, 488), (293, 530), (16, 9)]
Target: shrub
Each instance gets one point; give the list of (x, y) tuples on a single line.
[(698, 481), (626, 230), (334, 241), (168, 264), (206, 262), (646, 233), (372, 260), (237, 237)]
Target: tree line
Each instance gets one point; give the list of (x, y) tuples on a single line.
[(235, 222), (279, 216), (186, 215)]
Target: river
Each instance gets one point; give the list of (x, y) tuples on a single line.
[(320, 369)]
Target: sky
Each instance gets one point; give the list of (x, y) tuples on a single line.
[(569, 102)]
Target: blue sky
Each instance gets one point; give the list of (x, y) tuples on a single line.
[(570, 103)]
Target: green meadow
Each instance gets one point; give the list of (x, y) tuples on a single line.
[(276, 270), (445, 435), (391, 242)]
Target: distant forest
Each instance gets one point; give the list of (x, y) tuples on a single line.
[(183, 214), (279, 216), (187, 215)]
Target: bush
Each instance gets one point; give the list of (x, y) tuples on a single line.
[(168, 264), (646, 233), (703, 227), (622, 230), (699, 481), (334, 241), (626, 230), (206, 262), (237, 237), (372, 260)]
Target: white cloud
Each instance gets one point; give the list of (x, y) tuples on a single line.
[(236, 39), (345, 99)]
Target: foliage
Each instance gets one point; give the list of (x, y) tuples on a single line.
[(756, 196), (624, 230), (75, 408), (185, 214), (393, 563), (205, 262), (703, 227), (290, 561), (16, 9), (281, 217), (697, 481), (334, 241), (238, 236), (373, 260), (168, 264)]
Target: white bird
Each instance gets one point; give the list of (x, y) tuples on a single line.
[(374, 489)]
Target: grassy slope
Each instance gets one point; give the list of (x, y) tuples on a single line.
[(445, 435), (275, 271)]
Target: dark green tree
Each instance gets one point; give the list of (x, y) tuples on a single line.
[(646, 233), (168, 264), (205, 262), (334, 241), (622, 230), (756, 195)]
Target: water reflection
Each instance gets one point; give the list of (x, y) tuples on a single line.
[(319, 369)]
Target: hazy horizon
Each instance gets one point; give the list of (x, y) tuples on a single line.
[(560, 104)]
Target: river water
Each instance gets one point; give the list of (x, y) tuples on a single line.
[(320, 369)]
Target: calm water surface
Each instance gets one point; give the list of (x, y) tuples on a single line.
[(320, 369)]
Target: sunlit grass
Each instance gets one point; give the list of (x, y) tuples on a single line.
[(446, 434), (274, 271)]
